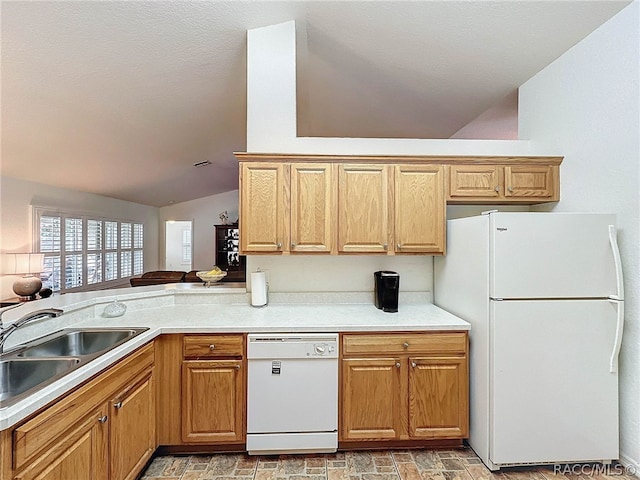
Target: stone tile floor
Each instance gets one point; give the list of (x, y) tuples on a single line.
[(457, 464)]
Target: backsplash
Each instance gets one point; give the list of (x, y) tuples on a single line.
[(343, 273)]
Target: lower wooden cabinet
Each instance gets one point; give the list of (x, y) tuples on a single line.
[(105, 430), (438, 397), (212, 401), (371, 399), (132, 428), (404, 386), (213, 398), (79, 453)]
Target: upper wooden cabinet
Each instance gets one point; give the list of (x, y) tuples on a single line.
[(502, 183), (262, 207), (420, 209), (313, 196), (375, 204), (363, 209)]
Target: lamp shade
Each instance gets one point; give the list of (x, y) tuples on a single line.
[(23, 263)]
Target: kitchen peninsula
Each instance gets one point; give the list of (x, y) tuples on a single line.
[(159, 382)]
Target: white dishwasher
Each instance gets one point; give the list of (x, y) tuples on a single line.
[(292, 397)]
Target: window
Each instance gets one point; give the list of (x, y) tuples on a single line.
[(83, 252), (186, 245)]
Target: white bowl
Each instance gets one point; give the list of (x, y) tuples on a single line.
[(208, 278)]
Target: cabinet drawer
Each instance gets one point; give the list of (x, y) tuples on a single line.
[(426, 343), (201, 346)]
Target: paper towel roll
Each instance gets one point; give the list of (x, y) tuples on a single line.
[(258, 289)]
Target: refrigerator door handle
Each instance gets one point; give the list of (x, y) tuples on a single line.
[(613, 241), (613, 362)]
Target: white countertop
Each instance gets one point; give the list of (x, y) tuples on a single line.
[(178, 309)]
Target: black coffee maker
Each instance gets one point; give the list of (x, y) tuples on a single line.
[(386, 288)]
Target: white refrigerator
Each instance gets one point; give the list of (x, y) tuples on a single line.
[(544, 295)]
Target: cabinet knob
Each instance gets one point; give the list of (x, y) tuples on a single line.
[(279, 244), (385, 246), (212, 347), (103, 419), (413, 364), (293, 244), (237, 367), (405, 344), (118, 405), (510, 189), (497, 189), (398, 365), (398, 246)]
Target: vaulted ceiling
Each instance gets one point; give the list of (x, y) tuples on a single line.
[(122, 98)]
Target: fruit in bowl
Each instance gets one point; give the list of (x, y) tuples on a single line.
[(211, 276)]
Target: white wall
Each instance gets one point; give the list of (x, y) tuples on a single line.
[(586, 104), (271, 111), (498, 122), (204, 212), (17, 197)]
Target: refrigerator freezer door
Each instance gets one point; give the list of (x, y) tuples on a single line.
[(551, 255), (554, 398)]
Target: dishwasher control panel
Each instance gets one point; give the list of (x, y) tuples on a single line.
[(321, 349), (302, 345)]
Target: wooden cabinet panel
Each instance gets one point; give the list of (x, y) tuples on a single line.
[(363, 208), (420, 209), (168, 371), (80, 453), (313, 197), (371, 399), (528, 181), (213, 401), (467, 181), (438, 397), (132, 429), (204, 346), (262, 207), (404, 343)]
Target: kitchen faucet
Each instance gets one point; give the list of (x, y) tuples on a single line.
[(5, 332)]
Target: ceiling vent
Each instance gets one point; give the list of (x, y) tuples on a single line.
[(204, 163)]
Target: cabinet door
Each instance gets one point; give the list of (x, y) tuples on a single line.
[(363, 208), (313, 197), (528, 181), (468, 181), (133, 428), (438, 397), (420, 209), (371, 399), (81, 453), (262, 207), (213, 401)]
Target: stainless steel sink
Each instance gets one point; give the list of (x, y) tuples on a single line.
[(77, 343), (19, 376), (32, 366)]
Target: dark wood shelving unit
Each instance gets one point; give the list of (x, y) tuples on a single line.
[(228, 257)]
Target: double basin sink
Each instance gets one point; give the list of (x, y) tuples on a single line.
[(32, 366)]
